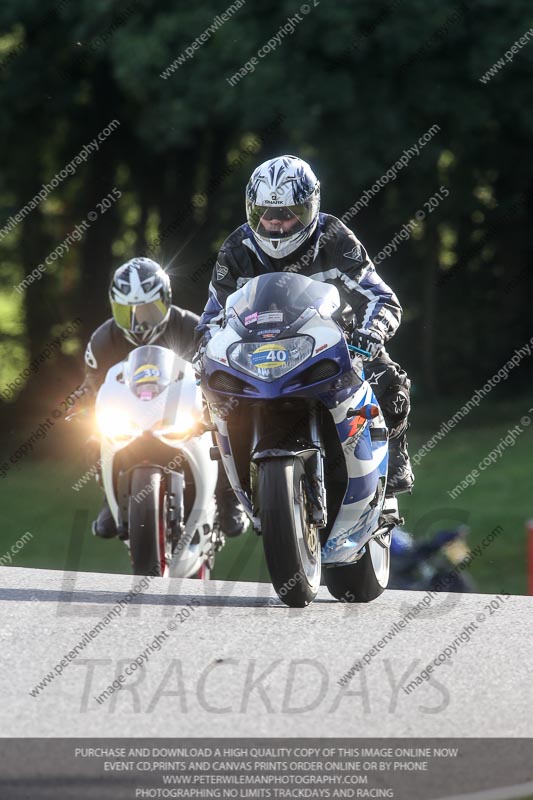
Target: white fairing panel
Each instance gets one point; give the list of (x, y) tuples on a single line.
[(366, 465), (183, 397)]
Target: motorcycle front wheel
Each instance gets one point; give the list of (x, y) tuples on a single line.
[(363, 581), (290, 542), (147, 522)]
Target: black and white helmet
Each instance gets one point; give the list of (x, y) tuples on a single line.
[(141, 299), (282, 204)]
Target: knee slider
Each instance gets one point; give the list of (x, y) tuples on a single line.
[(395, 404)]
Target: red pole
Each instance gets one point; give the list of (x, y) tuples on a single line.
[(529, 528)]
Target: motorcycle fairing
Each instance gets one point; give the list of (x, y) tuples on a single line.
[(366, 459), (165, 408), (366, 465)]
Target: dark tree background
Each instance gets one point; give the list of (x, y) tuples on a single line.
[(349, 90)]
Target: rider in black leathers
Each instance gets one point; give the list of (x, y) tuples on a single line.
[(141, 302), (285, 231)]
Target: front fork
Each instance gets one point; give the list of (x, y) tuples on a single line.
[(309, 447), (315, 473), (173, 485)]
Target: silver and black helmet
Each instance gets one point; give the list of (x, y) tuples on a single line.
[(141, 298)]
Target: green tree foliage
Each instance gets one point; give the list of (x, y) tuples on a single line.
[(350, 88)]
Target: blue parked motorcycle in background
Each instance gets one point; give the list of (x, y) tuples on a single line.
[(435, 564)]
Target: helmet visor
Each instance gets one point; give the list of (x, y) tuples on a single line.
[(139, 319), (280, 222)]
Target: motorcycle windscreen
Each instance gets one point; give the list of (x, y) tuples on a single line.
[(149, 370), (277, 300)]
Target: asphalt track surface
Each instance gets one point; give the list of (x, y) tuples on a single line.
[(233, 661)]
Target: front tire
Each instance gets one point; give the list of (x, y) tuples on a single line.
[(363, 581), (146, 522), (291, 544)]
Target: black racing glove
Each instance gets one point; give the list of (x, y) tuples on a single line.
[(369, 341)]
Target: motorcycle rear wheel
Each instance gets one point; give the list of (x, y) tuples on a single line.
[(290, 542), (146, 522)]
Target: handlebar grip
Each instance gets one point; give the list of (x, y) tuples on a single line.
[(360, 350)]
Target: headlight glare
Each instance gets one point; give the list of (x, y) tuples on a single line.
[(114, 424), (182, 425)]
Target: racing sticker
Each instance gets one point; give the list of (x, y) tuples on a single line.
[(250, 318), (270, 355), (269, 316), (269, 333), (357, 423), (148, 373)]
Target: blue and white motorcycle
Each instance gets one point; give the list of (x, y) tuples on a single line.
[(305, 443)]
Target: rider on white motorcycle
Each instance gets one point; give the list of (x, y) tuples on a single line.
[(285, 231), (141, 303)]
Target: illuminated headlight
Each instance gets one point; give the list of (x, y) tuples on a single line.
[(271, 360), (181, 427), (116, 425)]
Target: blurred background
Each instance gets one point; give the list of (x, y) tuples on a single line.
[(350, 88)]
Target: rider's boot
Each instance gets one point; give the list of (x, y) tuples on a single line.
[(231, 516), (104, 525), (400, 477)]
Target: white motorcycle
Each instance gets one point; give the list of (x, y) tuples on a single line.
[(156, 469)]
